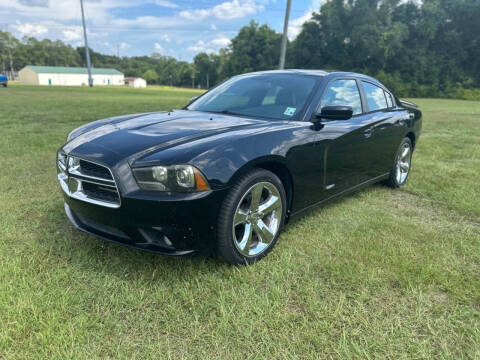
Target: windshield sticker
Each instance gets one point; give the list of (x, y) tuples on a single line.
[(289, 111)]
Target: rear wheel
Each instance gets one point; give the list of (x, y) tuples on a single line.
[(4, 85), (401, 166), (251, 218)]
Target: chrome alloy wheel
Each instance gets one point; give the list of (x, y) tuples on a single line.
[(404, 159), (257, 219)]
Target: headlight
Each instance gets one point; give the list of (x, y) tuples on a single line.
[(180, 178)]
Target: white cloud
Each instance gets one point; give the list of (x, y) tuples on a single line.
[(210, 46), (166, 3), (221, 41), (149, 22), (96, 11), (179, 26), (72, 33), (34, 2), (75, 32), (158, 47), (124, 46), (165, 38), (30, 29), (200, 46), (224, 11), (295, 25)]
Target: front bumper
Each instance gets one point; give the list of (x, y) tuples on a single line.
[(171, 225)]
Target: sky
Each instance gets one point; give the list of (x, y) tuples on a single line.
[(178, 28)]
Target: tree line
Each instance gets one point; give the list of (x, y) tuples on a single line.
[(425, 48)]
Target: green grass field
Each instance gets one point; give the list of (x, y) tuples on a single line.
[(387, 274)]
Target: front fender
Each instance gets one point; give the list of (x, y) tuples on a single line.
[(280, 143), (293, 147)]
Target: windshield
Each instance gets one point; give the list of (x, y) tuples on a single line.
[(273, 96)]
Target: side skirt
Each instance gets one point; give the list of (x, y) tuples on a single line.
[(343, 192)]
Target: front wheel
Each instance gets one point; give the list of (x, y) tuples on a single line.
[(251, 218), (4, 85), (401, 166)]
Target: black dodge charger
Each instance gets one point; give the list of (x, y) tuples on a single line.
[(226, 172)]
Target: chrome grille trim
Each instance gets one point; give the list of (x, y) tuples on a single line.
[(77, 173), (72, 179)]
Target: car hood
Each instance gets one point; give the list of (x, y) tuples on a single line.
[(138, 135)]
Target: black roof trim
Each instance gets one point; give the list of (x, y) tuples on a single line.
[(317, 73)]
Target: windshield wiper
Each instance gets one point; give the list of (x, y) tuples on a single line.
[(228, 112)]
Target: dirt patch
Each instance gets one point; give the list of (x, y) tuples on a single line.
[(439, 297)]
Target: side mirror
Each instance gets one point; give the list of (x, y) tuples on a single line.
[(335, 112)]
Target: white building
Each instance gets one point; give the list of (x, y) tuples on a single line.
[(135, 82), (68, 76)]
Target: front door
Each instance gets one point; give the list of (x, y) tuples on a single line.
[(348, 143)]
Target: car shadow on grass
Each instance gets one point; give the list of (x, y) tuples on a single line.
[(316, 210), (56, 235)]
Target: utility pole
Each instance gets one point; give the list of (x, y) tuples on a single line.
[(193, 78), (9, 47), (283, 48), (87, 54), (5, 44)]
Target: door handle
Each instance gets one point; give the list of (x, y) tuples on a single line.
[(368, 132)]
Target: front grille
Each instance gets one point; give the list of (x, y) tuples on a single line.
[(100, 192), (92, 169), (88, 181)]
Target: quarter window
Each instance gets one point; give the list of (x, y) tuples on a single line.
[(342, 92), (375, 96), (389, 99)]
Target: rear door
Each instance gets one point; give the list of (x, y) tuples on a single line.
[(387, 127)]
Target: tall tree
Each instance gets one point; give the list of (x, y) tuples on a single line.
[(254, 48)]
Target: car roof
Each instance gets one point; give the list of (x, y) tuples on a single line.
[(319, 73)]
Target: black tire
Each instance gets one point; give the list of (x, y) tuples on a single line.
[(394, 181), (4, 85), (228, 248)]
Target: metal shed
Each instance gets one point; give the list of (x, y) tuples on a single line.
[(68, 76)]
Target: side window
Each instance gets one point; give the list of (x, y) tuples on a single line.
[(375, 96), (389, 99), (342, 92)]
